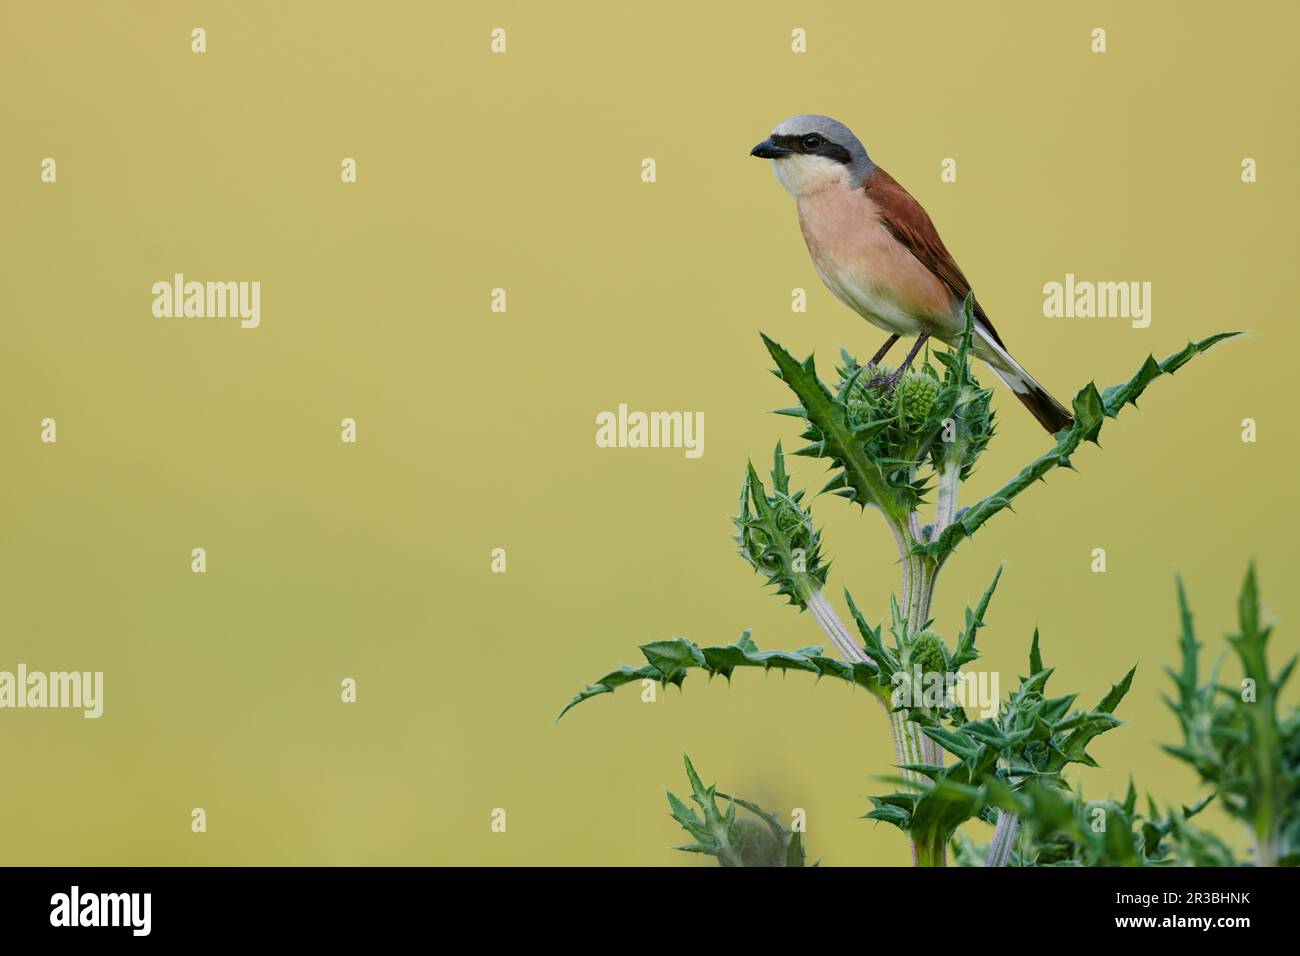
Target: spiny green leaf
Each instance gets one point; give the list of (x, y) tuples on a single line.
[(669, 662), (612, 681), (1090, 409), (966, 651), (1035, 657), (836, 439)]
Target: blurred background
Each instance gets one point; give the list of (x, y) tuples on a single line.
[(476, 429)]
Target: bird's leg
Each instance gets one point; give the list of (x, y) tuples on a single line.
[(893, 380), (889, 344), (875, 360)]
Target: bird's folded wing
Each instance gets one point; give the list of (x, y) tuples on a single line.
[(909, 223)]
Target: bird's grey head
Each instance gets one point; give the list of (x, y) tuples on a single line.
[(810, 152)]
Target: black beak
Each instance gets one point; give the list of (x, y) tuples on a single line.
[(769, 150)]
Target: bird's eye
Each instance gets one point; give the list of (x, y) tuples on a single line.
[(812, 141)]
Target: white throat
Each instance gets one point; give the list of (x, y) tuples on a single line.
[(802, 175)]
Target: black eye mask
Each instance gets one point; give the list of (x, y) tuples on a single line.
[(828, 149)]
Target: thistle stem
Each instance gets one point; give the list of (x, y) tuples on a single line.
[(1004, 838), (945, 512), (931, 853), (910, 745), (900, 539), (834, 628), (1266, 852)]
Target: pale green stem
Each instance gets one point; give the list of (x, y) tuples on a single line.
[(900, 540), (946, 500), (1004, 839), (1008, 825), (916, 605), (918, 613), (910, 744), (834, 629), (908, 740), (907, 744), (1266, 851), (932, 854)]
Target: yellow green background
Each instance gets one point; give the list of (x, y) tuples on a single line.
[(522, 171)]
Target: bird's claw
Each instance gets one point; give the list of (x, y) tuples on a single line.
[(889, 383)]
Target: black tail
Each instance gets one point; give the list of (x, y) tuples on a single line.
[(1050, 413)]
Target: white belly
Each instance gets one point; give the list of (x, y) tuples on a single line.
[(869, 300)]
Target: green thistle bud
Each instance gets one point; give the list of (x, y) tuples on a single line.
[(861, 412), (928, 653), (788, 516), (755, 843), (914, 398), (777, 537), (756, 839)]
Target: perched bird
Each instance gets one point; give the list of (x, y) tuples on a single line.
[(878, 252)]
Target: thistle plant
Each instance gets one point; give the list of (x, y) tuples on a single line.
[(1245, 750), (905, 453), (759, 839), (1236, 738)]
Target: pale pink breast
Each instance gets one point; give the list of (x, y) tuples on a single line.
[(867, 268)]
